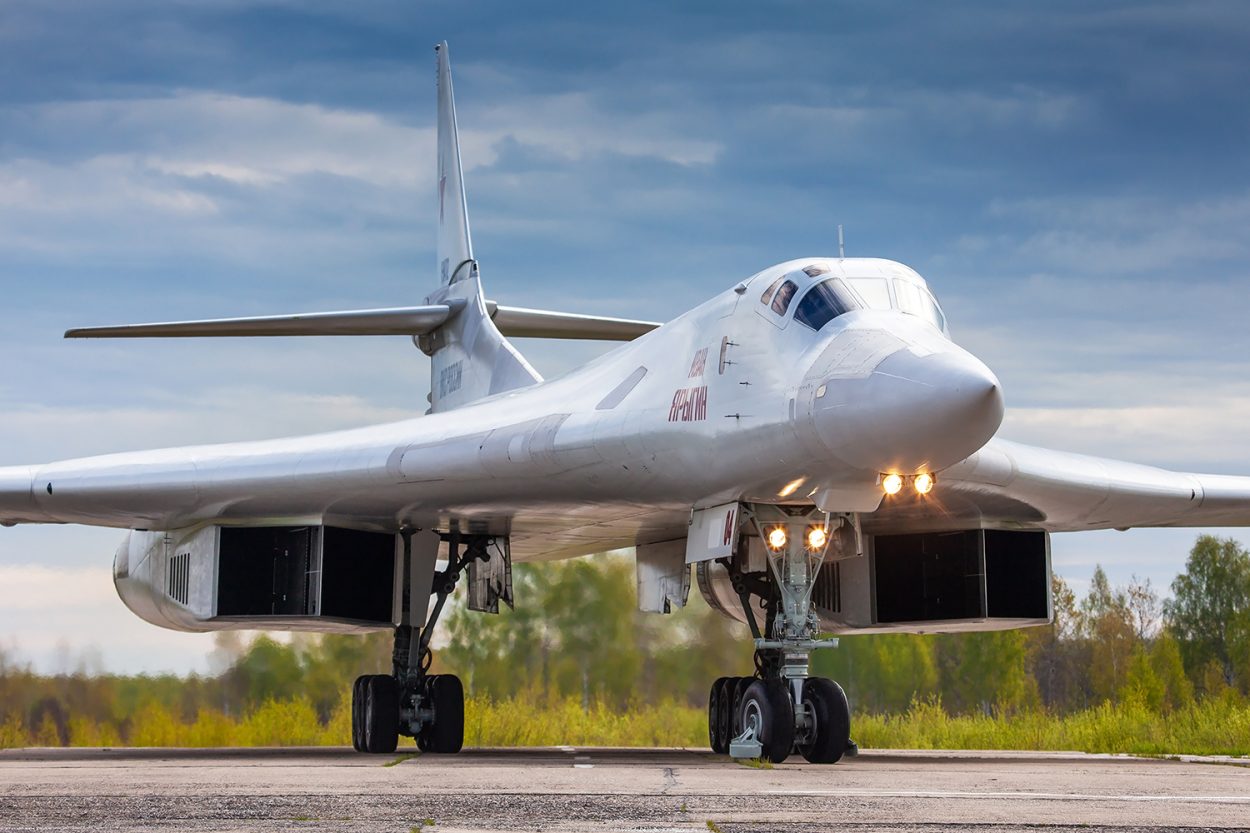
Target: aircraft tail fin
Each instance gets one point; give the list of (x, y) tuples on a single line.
[(470, 358), (461, 331), (455, 243)]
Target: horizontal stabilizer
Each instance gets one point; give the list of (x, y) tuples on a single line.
[(369, 322), (519, 322), (405, 321)]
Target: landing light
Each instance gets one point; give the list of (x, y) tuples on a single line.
[(924, 483), (777, 537), (790, 487), (816, 538), (892, 484)]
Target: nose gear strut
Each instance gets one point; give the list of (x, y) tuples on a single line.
[(783, 709)]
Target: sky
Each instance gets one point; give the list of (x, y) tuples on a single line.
[(1070, 177)]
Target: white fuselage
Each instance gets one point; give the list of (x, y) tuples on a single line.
[(729, 401)]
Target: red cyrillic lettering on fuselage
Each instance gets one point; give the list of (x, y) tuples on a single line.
[(699, 363), (689, 405)]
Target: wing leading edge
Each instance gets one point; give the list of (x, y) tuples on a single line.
[(408, 321)]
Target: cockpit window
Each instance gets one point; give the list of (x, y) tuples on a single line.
[(772, 287), (874, 291), (917, 301), (815, 270), (825, 302), (781, 301)]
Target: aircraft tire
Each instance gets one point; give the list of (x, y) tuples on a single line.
[(738, 689), (766, 703), (725, 712), (832, 713), (358, 714), (381, 713), (715, 738), (446, 734)]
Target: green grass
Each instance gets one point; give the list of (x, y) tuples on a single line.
[(1219, 726), (753, 763), (1216, 726), (407, 756)]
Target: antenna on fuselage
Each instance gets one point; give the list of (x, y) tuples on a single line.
[(841, 244)]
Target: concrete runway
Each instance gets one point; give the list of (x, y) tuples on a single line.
[(610, 790)]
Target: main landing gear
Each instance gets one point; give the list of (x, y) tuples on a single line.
[(410, 701), (782, 710)]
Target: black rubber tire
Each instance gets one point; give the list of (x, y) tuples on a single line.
[(358, 714), (381, 714), (739, 688), (446, 734), (716, 739), (770, 704), (829, 708), (725, 714)]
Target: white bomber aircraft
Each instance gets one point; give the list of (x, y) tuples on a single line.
[(810, 440)]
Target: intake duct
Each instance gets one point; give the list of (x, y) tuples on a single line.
[(934, 582), (318, 578)]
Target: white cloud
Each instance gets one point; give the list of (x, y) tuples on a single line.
[(945, 111), (63, 618), (1128, 235), (577, 125), (27, 587), (42, 433), (1212, 432), (173, 142)]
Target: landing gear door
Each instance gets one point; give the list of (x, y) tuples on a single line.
[(713, 533)]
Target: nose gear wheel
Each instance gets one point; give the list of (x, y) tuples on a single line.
[(829, 735)]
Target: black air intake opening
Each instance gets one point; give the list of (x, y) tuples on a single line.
[(1016, 578), (928, 577), (267, 571), (358, 574), (306, 571), (973, 574)]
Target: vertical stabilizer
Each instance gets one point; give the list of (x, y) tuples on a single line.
[(470, 358), (455, 245)]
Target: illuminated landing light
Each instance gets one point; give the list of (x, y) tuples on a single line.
[(892, 484), (816, 538), (924, 483), (789, 488), (777, 537)]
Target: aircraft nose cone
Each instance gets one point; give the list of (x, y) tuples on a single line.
[(912, 413)]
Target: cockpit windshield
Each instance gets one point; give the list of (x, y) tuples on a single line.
[(815, 294), (824, 302), (874, 291), (916, 300)]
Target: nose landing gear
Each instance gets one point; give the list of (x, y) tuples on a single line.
[(782, 709)]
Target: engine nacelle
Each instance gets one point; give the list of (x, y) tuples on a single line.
[(941, 582), (316, 578)]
